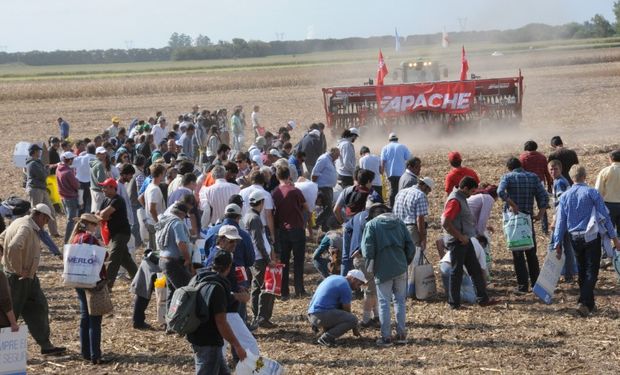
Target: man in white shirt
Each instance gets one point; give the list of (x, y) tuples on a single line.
[(159, 131), (257, 179), (153, 201), (82, 172), (372, 162), (214, 198)]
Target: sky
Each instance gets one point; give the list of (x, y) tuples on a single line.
[(101, 24)]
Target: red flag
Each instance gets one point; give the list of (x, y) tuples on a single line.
[(382, 70), (464, 65)]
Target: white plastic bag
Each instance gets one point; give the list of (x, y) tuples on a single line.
[(424, 278), (258, 365), (549, 276), (82, 265), (144, 232), (14, 350)]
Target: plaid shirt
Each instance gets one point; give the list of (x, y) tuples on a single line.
[(409, 204), (522, 188)]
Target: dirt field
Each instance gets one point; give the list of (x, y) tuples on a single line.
[(520, 335)]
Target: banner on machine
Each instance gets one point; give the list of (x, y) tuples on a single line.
[(446, 97)]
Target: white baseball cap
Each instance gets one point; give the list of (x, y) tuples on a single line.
[(229, 231), (256, 196), (291, 123), (393, 136), (232, 209), (357, 274), (101, 150), (275, 152), (67, 155), (258, 160), (355, 131)]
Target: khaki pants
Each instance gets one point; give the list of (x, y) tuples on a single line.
[(96, 199), (40, 196)]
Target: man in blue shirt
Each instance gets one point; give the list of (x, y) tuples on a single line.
[(63, 126), (393, 158), (330, 307), (325, 176), (573, 216), (519, 189)]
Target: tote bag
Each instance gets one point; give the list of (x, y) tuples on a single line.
[(82, 265), (273, 279), (425, 285), (518, 231)]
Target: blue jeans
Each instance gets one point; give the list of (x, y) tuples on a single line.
[(294, 241), (588, 258), (72, 210), (90, 330), (320, 264), (468, 294), (397, 288), (209, 360)]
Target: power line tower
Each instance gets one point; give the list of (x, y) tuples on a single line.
[(129, 44)]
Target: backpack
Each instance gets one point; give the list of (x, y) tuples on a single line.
[(181, 317), (17, 206)]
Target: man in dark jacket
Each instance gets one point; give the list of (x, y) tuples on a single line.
[(36, 184), (208, 339), (311, 146)]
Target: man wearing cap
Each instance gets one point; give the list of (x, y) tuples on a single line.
[(345, 164), (272, 156), (290, 207), (566, 156), (68, 187), (114, 211), (519, 189), (97, 176), (256, 149), (257, 179), (393, 158), (159, 131), (411, 206), (388, 249), (262, 302), (456, 174), (36, 184), (326, 177), (412, 171), (63, 126), (20, 247), (173, 240), (372, 163), (330, 307), (113, 129), (214, 198)]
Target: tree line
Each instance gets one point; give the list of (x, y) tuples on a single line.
[(184, 47)]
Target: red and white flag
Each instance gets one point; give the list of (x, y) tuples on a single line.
[(464, 65), (382, 69)]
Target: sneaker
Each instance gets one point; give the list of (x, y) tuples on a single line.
[(400, 340), (489, 302), (54, 350), (325, 341), (520, 292), (285, 298), (383, 342), (369, 324), (583, 310)]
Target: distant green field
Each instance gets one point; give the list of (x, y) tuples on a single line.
[(25, 72)]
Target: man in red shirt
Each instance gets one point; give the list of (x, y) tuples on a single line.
[(290, 206), (457, 172), (535, 162)]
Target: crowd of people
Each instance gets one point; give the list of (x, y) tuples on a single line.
[(206, 206)]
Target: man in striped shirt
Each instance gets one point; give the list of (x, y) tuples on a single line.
[(214, 198)]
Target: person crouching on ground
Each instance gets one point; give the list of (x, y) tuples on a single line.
[(90, 325), (330, 307)]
